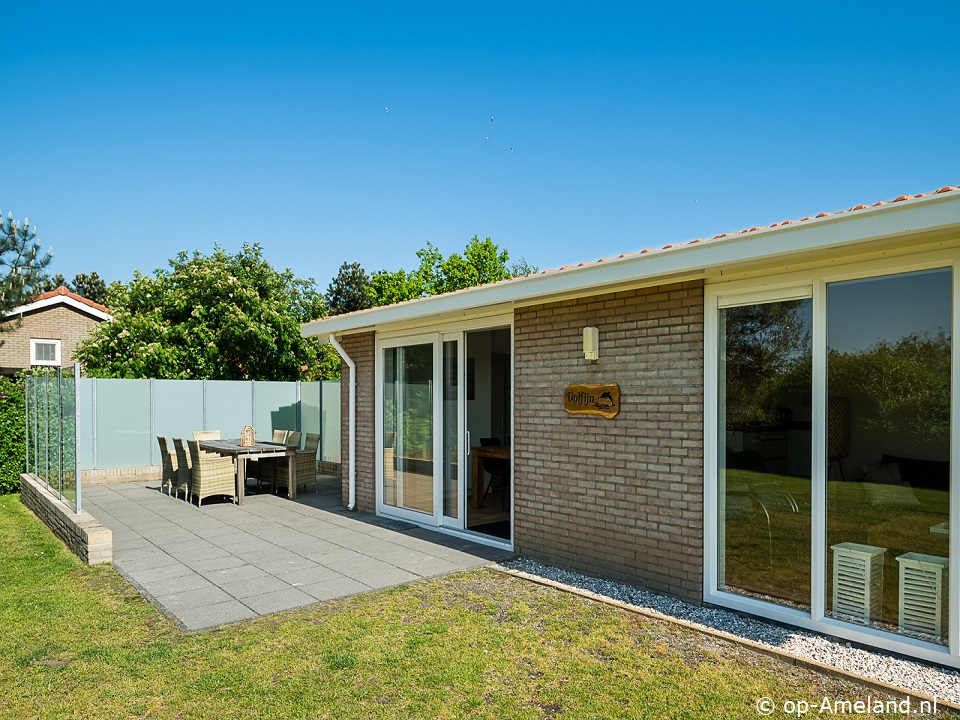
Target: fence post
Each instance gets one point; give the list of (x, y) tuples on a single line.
[(253, 406), (76, 430), (93, 413), (60, 432), (154, 446), (28, 436), (299, 411), (204, 386)]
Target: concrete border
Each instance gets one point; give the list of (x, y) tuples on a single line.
[(86, 537), (758, 647)]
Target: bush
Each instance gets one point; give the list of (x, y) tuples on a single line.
[(13, 433)]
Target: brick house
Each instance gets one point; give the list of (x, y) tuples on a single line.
[(51, 326), (784, 414)]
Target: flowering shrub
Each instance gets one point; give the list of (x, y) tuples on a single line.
[(12, 433)]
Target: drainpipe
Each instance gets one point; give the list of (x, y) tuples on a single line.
[(353, 422)]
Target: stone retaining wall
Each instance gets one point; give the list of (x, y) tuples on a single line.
[(82, 533)]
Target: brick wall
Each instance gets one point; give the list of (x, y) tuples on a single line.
[(361, 349), (59, 322), (621, 498), (82, 533)]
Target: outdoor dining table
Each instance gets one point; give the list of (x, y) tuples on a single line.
[(257, 451)]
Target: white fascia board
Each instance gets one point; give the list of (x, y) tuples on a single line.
[(904, 218), (61, 300)]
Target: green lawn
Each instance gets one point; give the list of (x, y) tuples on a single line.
[(79, 642)]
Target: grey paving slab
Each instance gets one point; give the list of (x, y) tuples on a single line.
[(223, 563), (285, 599)]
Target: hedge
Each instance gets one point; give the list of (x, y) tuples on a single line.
[(13, 432)]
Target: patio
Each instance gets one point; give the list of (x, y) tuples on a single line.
[(203, 567)]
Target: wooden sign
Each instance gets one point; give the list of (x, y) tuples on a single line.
[(601, 400)]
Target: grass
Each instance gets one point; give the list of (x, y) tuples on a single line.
[(79, 642)]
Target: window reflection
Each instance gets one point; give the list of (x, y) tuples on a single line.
[(764, 459), (888, 447)]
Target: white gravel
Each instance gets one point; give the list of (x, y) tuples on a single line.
[(909, 675)]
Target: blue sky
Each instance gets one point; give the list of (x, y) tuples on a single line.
[(131, 131)]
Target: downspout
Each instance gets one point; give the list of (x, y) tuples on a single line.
[(352, 475)]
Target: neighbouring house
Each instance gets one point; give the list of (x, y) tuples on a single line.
[(764, 420), (50, 327)]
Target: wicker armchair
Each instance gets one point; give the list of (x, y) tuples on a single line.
[(168, 472), (306, 465), (206, 434), (212, 474), (184, 473)]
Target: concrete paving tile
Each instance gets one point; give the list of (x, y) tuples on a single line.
[(145, 577), (208, 616), (191, 599), (177, 584), (234, 574), (156, 559), (309, 576), (278, 601), (335, 587), (216, 564), (373, 572), (242, 589)]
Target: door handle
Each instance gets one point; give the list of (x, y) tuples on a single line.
[(468, 443)]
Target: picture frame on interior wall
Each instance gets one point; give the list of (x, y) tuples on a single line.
[(44, 352)]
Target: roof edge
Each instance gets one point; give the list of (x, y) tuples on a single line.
[(907, 217)]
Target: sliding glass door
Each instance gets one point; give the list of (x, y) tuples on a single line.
[(831, 437), (408, 415), (763, 474)]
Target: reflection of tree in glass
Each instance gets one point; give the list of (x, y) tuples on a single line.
[(904, 386), (767, 360)]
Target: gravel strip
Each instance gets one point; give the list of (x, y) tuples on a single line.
[(909, 675)]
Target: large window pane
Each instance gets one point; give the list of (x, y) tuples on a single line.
[(888, 447), (451, 431), (764, 451), (408, 427)]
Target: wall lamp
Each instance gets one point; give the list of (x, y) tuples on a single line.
[(591, 344)]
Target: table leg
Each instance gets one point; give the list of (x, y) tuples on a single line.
[(241, 478), (476, 478), (292, 477)]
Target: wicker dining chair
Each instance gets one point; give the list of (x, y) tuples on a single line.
[(184, 473), (293, 438), (206, 434), (280, 436), (168, 470), (305, 465), (213, 474)]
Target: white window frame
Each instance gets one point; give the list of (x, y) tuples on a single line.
[(813, 284), (34, 342)]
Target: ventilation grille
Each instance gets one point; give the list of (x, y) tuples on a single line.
[(923, 593), (858, 581)]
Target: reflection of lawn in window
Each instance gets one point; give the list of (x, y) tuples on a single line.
[(774, 564)]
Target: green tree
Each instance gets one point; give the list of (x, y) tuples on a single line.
[(23, 265), (91, 286), (219, 317), (347, 292), (52, 282), (481, 262)]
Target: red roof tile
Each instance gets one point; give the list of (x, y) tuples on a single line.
[(79, 298)]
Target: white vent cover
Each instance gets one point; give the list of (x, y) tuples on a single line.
[(923, 593), (858, 581)]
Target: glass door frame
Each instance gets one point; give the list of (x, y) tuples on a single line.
[(813, 284), (447, 332), (437, 402)]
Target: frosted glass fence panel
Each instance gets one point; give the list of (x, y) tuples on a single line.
[(120, 419), (330, 421), (229, 407), (177, 411), (310, 409), (123, 436), (276, 408)]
